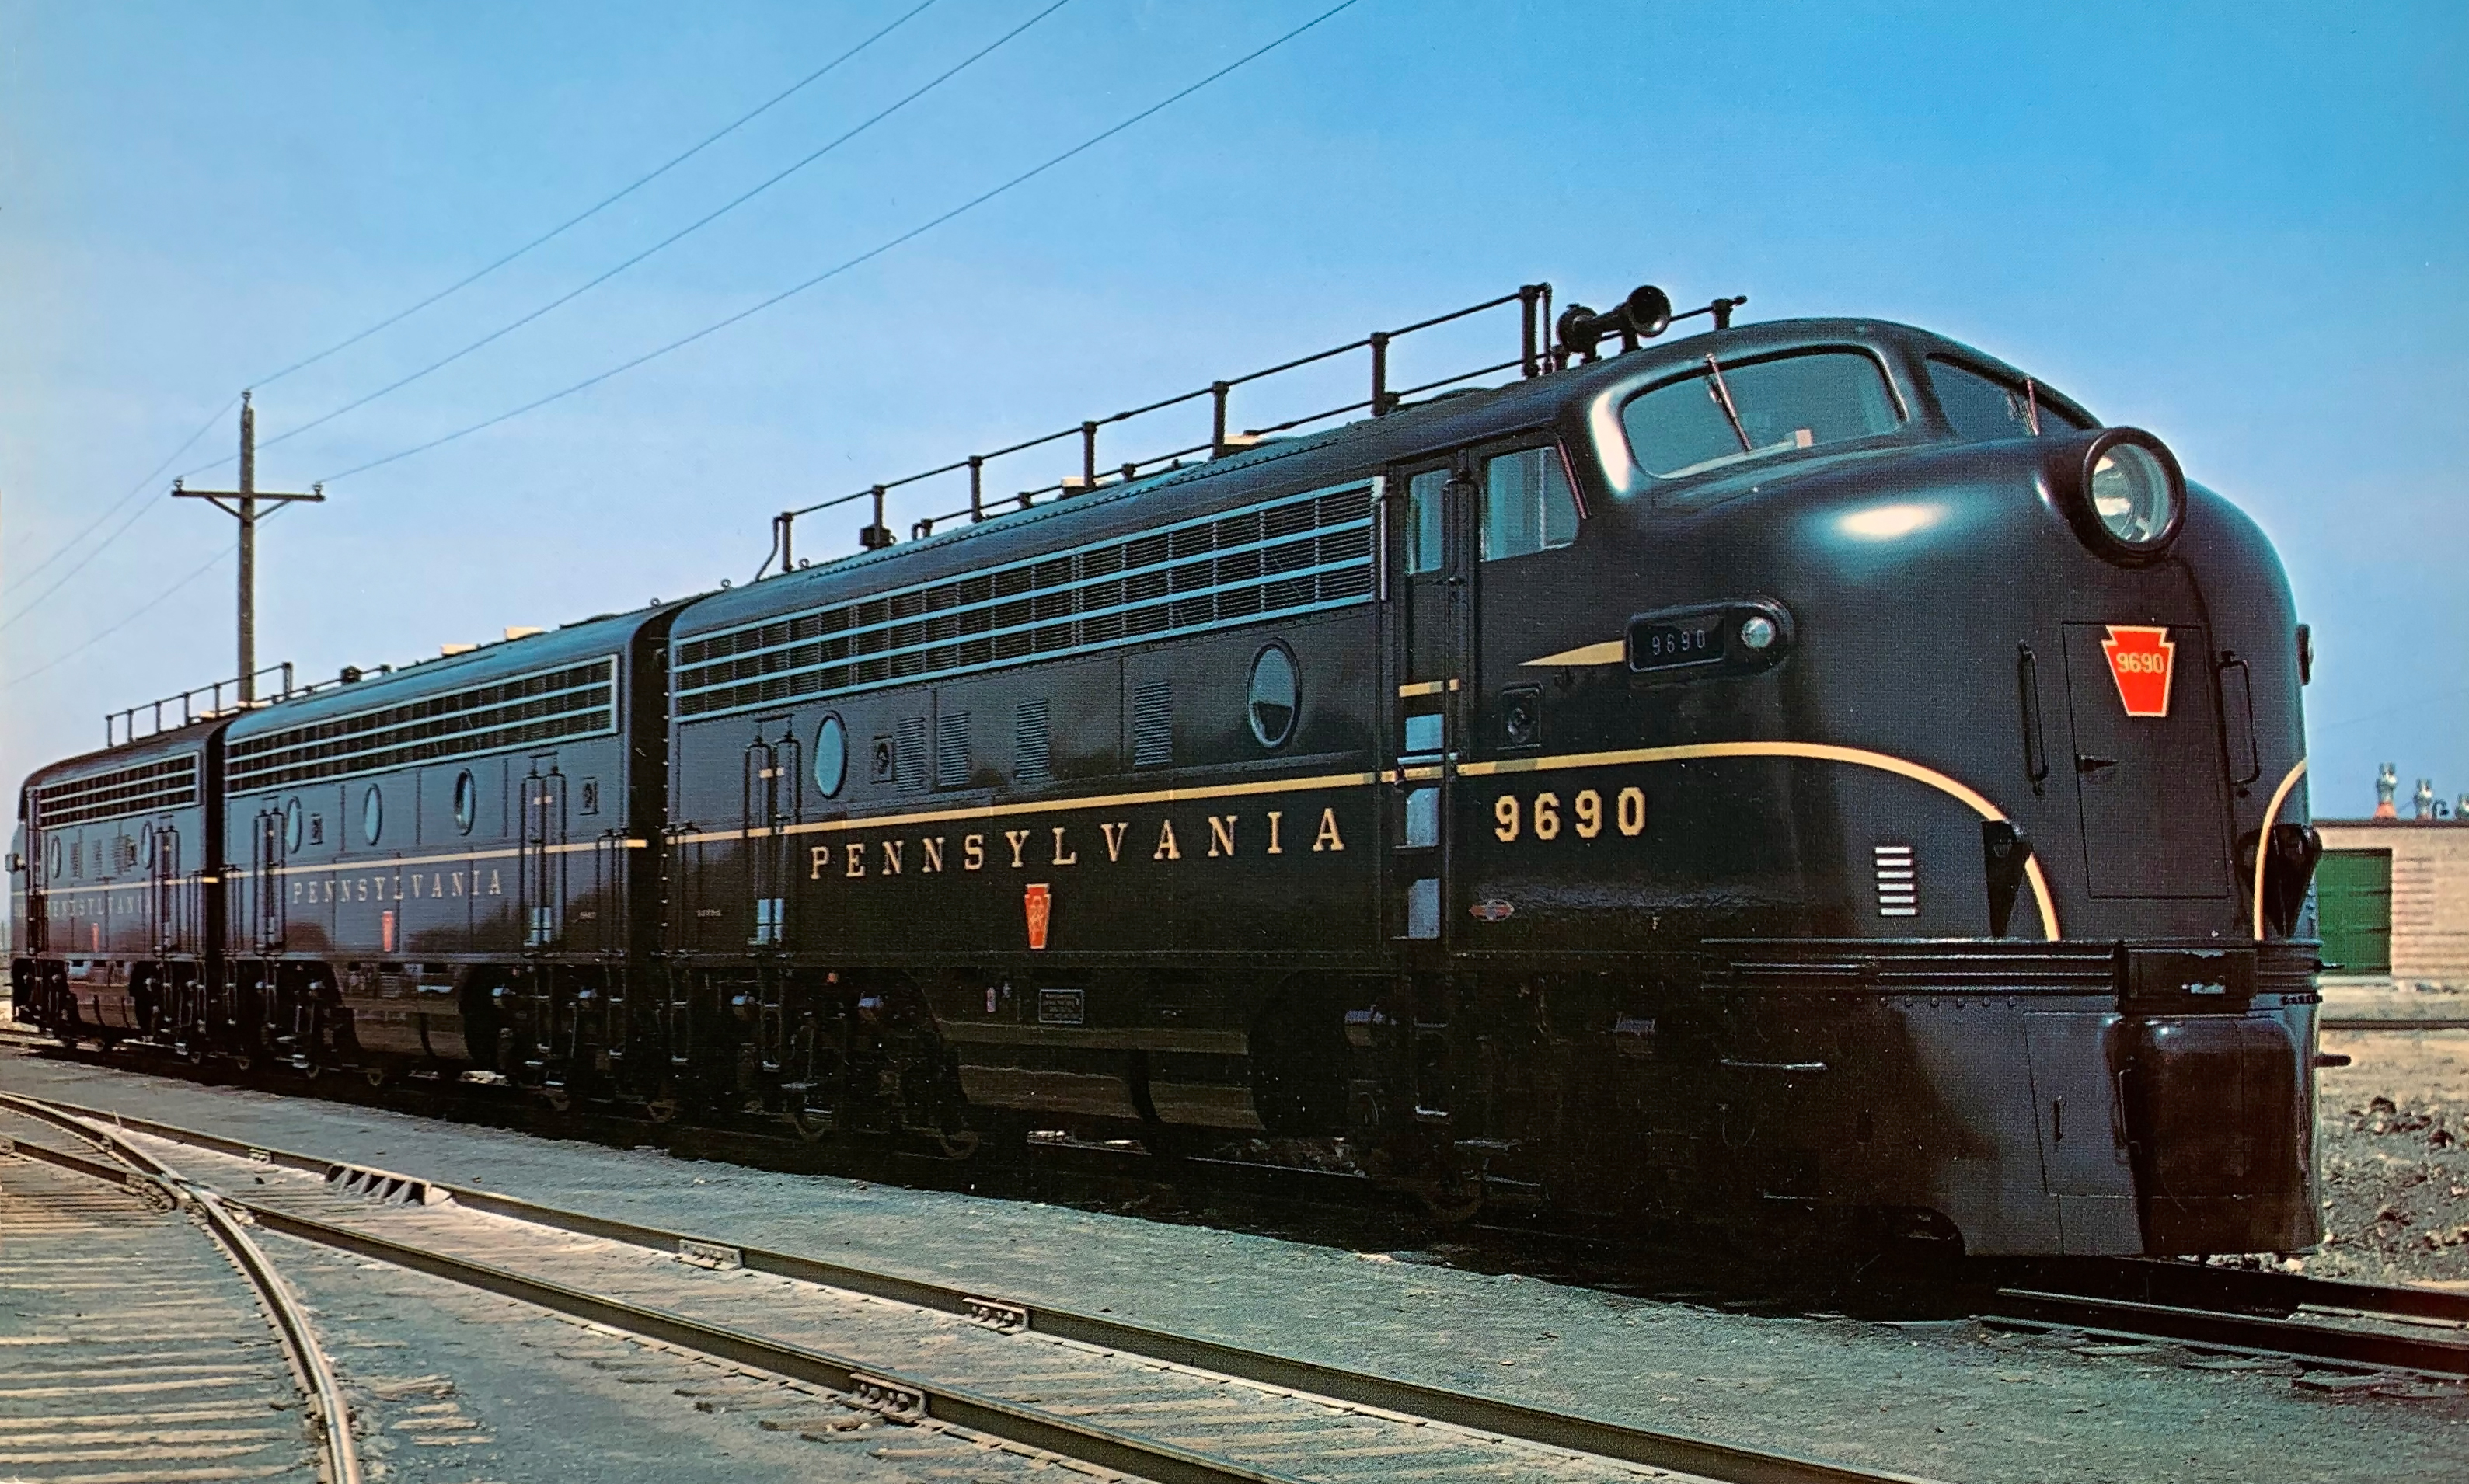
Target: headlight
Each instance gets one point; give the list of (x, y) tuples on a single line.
[(2129, 498)]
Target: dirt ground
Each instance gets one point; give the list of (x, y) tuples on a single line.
[(2394, 1143)]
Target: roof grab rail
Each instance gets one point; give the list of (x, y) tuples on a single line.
[(1537, 357), (120, 727)]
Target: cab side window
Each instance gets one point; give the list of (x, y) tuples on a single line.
[(1526, 503), (1425, 493), (1984, 408)]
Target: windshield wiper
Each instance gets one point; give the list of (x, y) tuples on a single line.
[(1723, 400)]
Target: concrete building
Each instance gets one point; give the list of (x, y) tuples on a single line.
[(2392, 899)]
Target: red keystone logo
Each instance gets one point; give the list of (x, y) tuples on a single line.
[(1038, 902), (2140, 659)]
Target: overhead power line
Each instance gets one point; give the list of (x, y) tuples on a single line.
[(835, 271), (149, 482), (126, 619), (674, 237), (1016, 181), (602, 205), (140, 487), (139, 611)]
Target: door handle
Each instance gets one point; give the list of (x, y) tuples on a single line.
[(2086, 763)]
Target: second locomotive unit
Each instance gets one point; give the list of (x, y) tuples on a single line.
[(1806, 766)]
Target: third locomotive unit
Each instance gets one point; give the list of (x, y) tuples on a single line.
[(1805, 765)]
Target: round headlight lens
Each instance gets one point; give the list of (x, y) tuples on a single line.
[(2133, 494)]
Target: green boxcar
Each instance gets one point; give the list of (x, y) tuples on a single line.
[(2353, 902)]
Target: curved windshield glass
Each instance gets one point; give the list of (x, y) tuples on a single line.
[(1726, 414)]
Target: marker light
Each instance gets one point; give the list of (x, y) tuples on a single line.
[(1757, 632)]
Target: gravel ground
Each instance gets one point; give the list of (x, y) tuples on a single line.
[(1947, 1401), (2393, 1142)]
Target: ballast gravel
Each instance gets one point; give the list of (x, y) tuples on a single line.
[(1949, 1401)]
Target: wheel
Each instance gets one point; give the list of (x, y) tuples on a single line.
[(811, 1123), (558, 1099), (956, 1143), (660, 1110), (1451, 1201), (375, 1076)]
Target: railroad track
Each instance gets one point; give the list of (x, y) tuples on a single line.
[(2336, 1335), (2355, 1333), (128, 1358), (1118, 1396), (2371, 1023)]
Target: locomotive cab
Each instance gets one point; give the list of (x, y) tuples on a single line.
[(1990, 717)]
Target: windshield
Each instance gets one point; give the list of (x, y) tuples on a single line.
[(1729, 414)]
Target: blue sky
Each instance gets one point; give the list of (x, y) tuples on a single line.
[(2243, 227)]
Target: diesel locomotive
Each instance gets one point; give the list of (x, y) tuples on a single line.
[(1809, 766)]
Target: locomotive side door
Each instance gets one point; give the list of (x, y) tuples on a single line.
[(1430, 600), (35, 849), (166, 898), (540, 838), (270, 914), (1430, 542), (770, 798)]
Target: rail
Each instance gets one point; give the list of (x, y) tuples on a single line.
[(1575, 1433), (330, 1414)]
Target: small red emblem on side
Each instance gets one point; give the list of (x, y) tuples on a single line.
[(1039, 903), (2141, 659), (1495, 911)]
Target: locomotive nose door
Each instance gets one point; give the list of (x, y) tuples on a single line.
[(2148, 761)]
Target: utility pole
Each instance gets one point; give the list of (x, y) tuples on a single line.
[(245, 508)]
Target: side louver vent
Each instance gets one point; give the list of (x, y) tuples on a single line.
[(908, 759), (1032, 744), (1899, 881), (952, 750), (1153, 724)]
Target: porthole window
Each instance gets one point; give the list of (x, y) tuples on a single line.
[(1274, 701), (293, 821), (52, 858), (467, 801), (146, 846), (831, 756), (371, 815)]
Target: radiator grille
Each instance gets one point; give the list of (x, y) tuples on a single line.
[(167, 783), (546, 705)]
